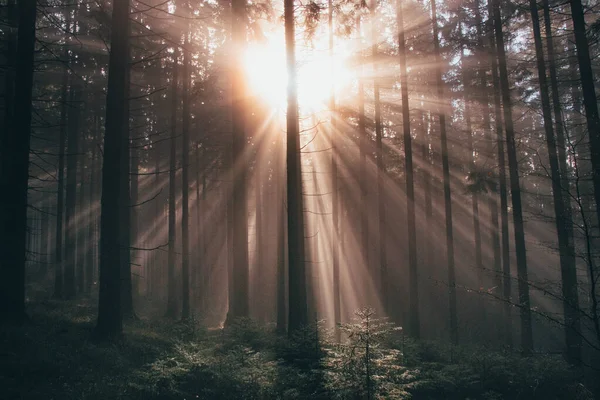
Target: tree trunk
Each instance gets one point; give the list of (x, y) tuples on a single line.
[(240, 288), (484, 40), (12, 19), (58, 249), (70, 215), (125, 205), (91, 209), (110, 319), (503, 278), (133, 215), (466, 78), (513, 167), (82, 244), (363, 143), (15, 173), (44, 236), (171, 283), (590, 102), (446, 175), (185, 168), (414, 318), (298, 313), (381, 195), (335, 213), (565, 245)]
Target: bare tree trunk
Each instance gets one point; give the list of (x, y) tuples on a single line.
[(363, 144), (15, 173), (9, 77), (198, 287), (171, 284), (414, 318), (446, 175), (185, 161), (513, 167), (110, 319), (566, 248), (466, 78), (503, 278), (82, 219), (483, 40), (240, 288), (590, 102), (134, 222), (381, 195), (298, 313), (125, 205), (44, 236), (335, 212), (70, 220), (90, 259), (281, 235), (58, 249)]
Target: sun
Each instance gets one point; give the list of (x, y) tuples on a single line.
[(266, 74)]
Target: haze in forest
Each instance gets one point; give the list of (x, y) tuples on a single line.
[(420, 177)]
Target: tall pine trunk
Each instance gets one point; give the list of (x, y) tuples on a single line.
[(483, 40), (565, 245), (466, 77), (363, 143), (503, 277), (90, 257), (446, 177), (60, 198), (239, 290), (590, 101), (110, 318), (381, 196), (335, 212), (171, 283), (15, 173), (281, 234), (515, 188), (125, 204), (414, 319), (297, 308), (71, 196), (185, 168)]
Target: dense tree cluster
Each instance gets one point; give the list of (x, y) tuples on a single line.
[(452, 183)]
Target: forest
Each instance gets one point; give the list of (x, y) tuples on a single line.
[(299, 199)]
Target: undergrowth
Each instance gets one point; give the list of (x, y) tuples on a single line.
[(53, 357)]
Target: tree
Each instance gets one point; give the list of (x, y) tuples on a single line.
[(297, 302), (381, 195), (14, 172), (110, 318), (70, 221), (446, 177), (503, 276), (565, 245), (185, 161), (239, 290), (515, 188), (58, 249), (414, 319), (335, 211), (172, 285), (590, 102), (466, 76), (486, 52), (363, 142)]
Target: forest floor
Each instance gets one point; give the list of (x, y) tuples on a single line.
[(54, 357)]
